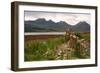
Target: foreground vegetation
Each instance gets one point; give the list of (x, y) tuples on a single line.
[(56, 49)]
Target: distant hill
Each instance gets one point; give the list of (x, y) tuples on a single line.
[(42, 25)]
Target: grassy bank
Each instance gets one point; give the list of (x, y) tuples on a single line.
[(37, 49), (45, 49)]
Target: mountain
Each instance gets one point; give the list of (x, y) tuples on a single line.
[(42, 25), (82, 26)]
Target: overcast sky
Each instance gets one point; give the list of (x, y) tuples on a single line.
[(70, 18)]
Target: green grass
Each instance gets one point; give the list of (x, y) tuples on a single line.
[(79, 53), (37, 49), (83, 36), (44, 49)]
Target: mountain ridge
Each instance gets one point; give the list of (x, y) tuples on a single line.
[(43, 25)]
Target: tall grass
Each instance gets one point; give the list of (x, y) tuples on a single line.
[(42, 49)]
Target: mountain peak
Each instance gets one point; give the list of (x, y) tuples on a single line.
[(82, 22), (41, 19), (50, 21), (61, 22)]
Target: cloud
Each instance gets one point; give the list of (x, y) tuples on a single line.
[(71, 18)]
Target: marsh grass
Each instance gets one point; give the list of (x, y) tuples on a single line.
[(44, 49)]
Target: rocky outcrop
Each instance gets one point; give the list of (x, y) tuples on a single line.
[(73, 46)]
